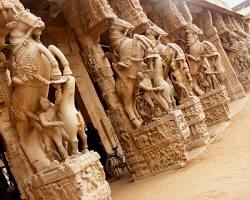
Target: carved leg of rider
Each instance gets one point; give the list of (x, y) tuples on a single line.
[(150, 103), (173, 101), (74, 146), (162, 102), (48, 146), (166, 95), (197, 89), (136, 112), (57, 138)]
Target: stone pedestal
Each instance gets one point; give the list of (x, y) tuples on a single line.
[(161, 146), (244, 78), (80, 178), (195, 117), (216, 106)]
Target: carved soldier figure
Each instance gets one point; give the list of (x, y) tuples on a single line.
[(130, 54), (174, 61), (155, 64), (52, 128), (199, 55), (237, 51), (148, 92)]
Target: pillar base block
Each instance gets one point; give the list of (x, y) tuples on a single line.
[(77, 178), (161, 146), (195, 117), (216, 106)]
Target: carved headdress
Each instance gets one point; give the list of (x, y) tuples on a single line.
[(194, 29)]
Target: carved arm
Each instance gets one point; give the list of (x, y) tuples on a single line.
[(47, 123), (144, 40)]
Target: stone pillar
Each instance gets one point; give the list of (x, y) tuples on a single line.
[(172, 20), (68, 174), (231, 82), (66, 41), (234, 87), (157, 145), (131, 11), (88, 34), (236, 46), (17, 161)]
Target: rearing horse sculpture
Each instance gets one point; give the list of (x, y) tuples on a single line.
[(33, 66), (130, 55), (175, 65), (31, 63)]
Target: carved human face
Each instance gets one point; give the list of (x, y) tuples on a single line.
[(45, 103), (140, 75), (191, 37)]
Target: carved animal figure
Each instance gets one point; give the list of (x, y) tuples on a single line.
[(174, 61), (200, 53), (72, 119), (32, 65), (130, 54)]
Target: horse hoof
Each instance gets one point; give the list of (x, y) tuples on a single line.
[(85, 151), (74, 155)]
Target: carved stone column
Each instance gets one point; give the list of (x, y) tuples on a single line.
[(87, 31), (236, 47), (47, 131), (65, 39), (157, 145), (195, 117), (18, 162), (235, 89)]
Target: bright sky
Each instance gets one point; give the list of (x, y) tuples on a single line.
[(233, 3)]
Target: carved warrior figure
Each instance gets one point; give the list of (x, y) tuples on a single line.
[(149, 95), (52, 131), (237, 51), (130, 54), (33, 68), (175, 64), (204, 62), (155, 64)]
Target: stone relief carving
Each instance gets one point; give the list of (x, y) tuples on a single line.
[(129, 53), (204, 61), (47, 132), (206, 70), (174, 60), (236, 47)]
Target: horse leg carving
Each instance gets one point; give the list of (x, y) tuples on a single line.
[(82, 133), (57, 52), (130, 110)]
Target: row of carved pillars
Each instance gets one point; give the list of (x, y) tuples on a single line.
[(93, 21)]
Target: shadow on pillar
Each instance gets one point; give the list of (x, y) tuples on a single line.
[(8, 186)]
